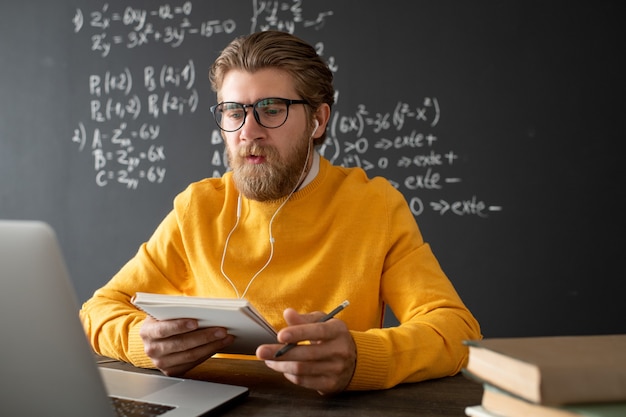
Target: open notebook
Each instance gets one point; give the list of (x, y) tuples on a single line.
[(47, 365)]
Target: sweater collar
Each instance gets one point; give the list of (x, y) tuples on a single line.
[(315, 169)]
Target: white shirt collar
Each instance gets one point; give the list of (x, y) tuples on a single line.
[(315, 169)]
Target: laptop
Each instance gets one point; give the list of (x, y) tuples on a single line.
[(48, 367)]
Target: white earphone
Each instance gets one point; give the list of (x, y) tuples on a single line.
[(272, 240), (317, 124)]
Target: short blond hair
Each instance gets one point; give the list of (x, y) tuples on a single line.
[(313, 79)]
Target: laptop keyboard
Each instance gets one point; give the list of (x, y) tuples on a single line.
[(133, 408)]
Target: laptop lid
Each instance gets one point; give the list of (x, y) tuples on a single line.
[(48, 367)]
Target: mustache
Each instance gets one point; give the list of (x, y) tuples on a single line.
[(255, 150)]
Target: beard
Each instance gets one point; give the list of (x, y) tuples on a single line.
[(276, 177)]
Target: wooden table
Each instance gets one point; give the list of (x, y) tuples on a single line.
[(272, 395)]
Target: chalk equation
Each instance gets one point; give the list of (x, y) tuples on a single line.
[(134, 27), (133, 153), (127, 106), (121, 129), (124, 153), (171, 25), (383, 143)]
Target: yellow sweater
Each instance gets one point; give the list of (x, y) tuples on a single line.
[(343, 236)]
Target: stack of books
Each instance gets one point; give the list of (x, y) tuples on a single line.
[(557, 376)]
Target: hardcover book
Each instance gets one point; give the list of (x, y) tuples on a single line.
[(553, 370), (504, 404)]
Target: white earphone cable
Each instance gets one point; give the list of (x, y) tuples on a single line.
[(271, 255)]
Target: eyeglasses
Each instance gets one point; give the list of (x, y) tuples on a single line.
[(269, 112)]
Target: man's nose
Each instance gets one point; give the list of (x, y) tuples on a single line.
[(251, 129)]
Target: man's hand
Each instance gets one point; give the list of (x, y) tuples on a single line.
[(176, 346), (326, 364)]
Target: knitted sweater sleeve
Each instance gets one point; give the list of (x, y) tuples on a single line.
[(433, 320), (110, 321)]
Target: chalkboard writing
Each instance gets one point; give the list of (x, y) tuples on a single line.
[(500, 122), (129, 156), (120, 153)]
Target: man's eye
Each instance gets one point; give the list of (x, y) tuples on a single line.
[(233, 114), (271, 111)]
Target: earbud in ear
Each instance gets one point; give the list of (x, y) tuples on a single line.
[(317, 124)]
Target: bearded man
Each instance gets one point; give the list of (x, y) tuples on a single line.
[(295, 236)]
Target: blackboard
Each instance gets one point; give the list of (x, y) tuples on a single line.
[(502, 122)]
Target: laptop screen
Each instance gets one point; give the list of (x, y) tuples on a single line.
[(48, 367)]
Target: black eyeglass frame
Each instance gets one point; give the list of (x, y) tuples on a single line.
[(253, 106)]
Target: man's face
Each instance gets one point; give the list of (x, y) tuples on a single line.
[(267, 163)]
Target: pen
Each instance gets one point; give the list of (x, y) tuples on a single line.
[(327, 317)]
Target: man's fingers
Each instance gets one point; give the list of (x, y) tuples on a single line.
[(311, 331), (176, 363), (292, 317), (155, 329)]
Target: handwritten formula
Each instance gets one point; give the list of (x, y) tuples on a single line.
[(122, 124)]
